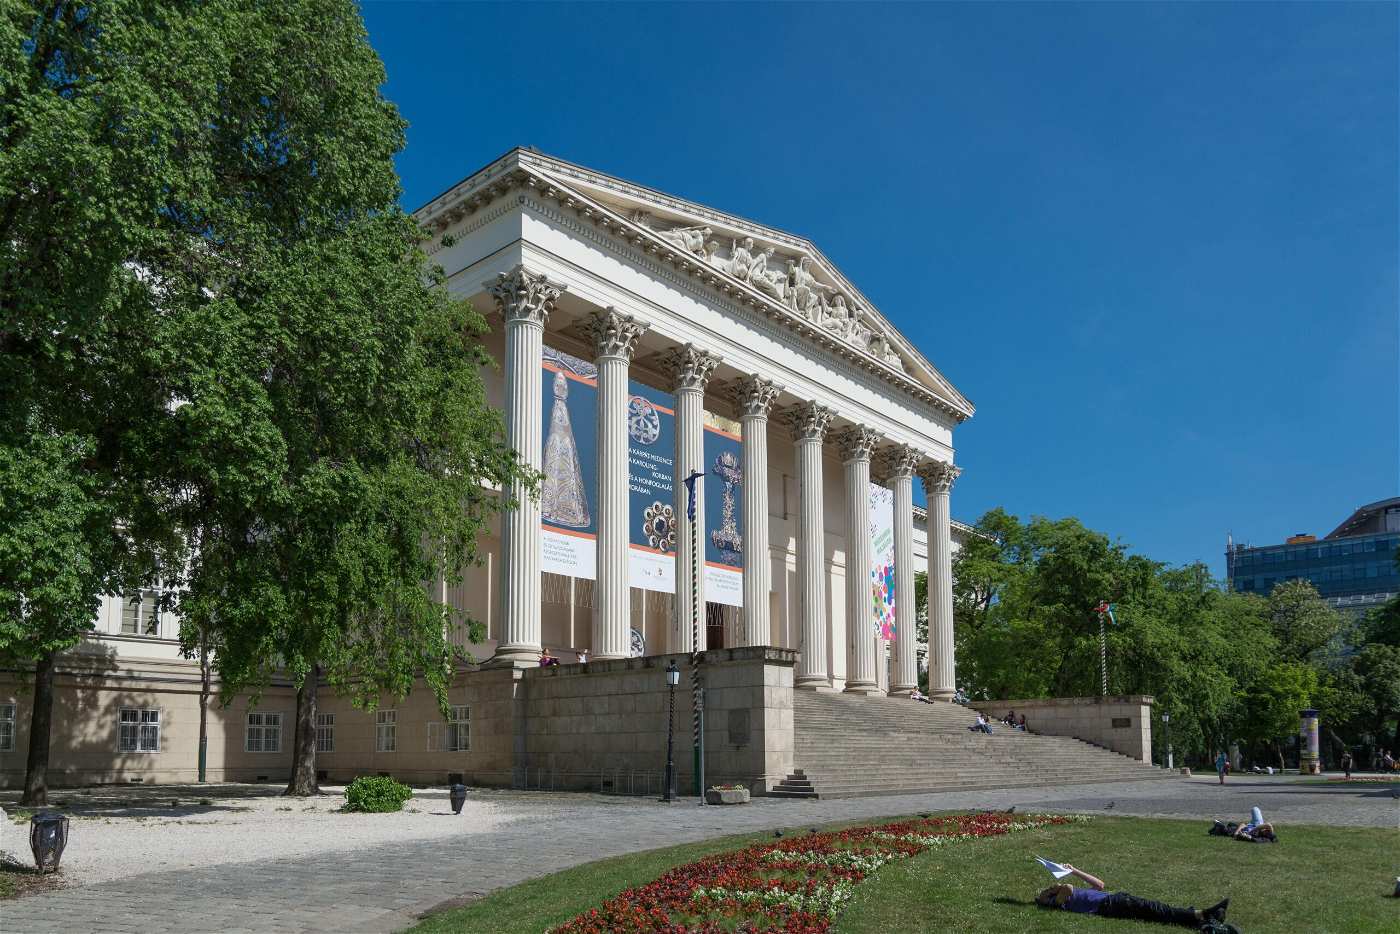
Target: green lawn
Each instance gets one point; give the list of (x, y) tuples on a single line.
[(1319, 880)]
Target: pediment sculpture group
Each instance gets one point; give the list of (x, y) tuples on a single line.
[(797, 287)]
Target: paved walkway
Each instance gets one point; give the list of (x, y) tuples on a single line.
[(383, 888)]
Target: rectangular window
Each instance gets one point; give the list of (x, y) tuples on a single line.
[(7, 727), (385, 724), (141, 614), (325, 732), (453, 735), (138, 730), (264, 732)]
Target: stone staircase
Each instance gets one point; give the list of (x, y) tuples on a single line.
[(846, 746)]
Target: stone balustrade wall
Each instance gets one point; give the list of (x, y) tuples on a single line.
[(1122, 723)]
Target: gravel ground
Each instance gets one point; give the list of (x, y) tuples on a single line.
[(125, 831)]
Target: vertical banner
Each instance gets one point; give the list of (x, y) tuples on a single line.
[(651, 453), (724, 513), (882, 569), (568, 489)]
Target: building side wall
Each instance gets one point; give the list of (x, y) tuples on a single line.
[(1121, 723)]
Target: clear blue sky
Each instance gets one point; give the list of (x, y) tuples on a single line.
[(1156, 245)]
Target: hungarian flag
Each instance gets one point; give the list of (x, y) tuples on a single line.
[(1106, 609)]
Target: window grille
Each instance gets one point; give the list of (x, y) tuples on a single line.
[(138, 730), (264, 732), (385, 727), (325, 732), (7, 727)]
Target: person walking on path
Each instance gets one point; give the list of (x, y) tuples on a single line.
[(1221, 763), (1346, 763), (1095, 901)]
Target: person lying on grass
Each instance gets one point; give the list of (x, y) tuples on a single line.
[(1256, 830), (1095, 901)]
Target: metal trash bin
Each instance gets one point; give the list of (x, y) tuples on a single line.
[(48, 835)]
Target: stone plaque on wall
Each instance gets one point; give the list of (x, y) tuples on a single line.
[(1122, 723), (739, 726)]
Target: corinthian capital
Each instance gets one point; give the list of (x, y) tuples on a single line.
[(614, 334), (689, 366), (938, 476), (524, 296), (808, 420), (857, 443), (755, 395), (899, 461)]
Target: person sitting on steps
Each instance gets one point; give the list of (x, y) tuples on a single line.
[(1095, 901)]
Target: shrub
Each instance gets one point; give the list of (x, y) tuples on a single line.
[(376, 794)]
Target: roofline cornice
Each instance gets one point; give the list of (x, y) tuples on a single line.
[(511, 172)]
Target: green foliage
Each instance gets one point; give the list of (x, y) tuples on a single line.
[(376, 794), (218, 334), (1024, 598), (1302, 621)]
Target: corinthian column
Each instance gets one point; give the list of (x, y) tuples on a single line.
[(856, 446), (525, 300), (690, 369), (938, 480), (614, 337), (755, 396), (809, 422), (900, 464)]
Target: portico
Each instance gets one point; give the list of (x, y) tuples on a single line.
[(679, 319)]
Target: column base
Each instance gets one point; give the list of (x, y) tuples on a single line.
[(902, 690), (866, 688), (514, 657), (818, 684), (943, 694)]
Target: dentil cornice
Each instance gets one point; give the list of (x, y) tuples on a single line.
[(509, 175)]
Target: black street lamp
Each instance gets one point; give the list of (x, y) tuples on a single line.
[(673, 678)]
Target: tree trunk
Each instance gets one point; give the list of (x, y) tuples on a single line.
[(36, 775), (1278, 751), (303, 781)]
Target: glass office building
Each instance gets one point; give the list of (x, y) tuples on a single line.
[(1353, 567)]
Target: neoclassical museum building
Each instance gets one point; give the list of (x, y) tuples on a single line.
[(642, 340)]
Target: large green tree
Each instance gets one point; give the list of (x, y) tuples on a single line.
[(200, 245)]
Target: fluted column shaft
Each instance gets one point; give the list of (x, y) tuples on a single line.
[(809, 422), (942, 675), (615, 335), (856, 446), (525, 301), (755, 396), (690, 368), (905, 674)]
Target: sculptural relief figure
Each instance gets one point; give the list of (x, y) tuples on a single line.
[(563, 499), (838, 317), (690, 239), (765, 279), (741, 259), (805, 292), (882, 348), (712, 254)]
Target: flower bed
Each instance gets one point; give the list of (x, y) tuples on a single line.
[(796, 884)]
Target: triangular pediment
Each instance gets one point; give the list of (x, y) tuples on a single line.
[(787, 273)]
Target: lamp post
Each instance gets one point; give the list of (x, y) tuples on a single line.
[(1166, 725), (673, 678), (697, 692)]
